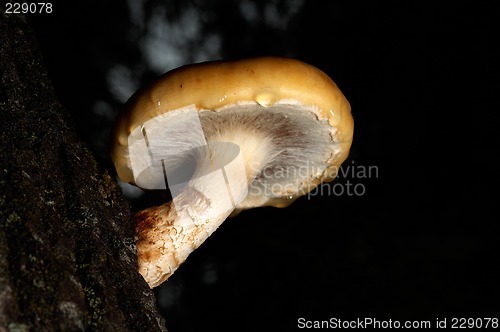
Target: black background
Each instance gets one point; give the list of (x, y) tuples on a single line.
[(421, 243)]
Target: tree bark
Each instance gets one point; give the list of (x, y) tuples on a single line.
[(67, 254)]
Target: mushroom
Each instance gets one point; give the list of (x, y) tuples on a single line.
[(225, 136)]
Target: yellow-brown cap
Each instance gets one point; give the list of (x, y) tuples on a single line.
[(223, 85)]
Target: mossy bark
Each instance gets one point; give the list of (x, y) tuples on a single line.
[(67, 253)]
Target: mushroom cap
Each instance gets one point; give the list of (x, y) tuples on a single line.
[(264, 84)]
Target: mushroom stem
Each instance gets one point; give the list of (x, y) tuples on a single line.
[(167, 234)]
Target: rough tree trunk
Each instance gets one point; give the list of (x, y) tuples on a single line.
[(67, 255)]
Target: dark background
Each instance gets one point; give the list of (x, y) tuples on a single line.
[(420, 243)]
